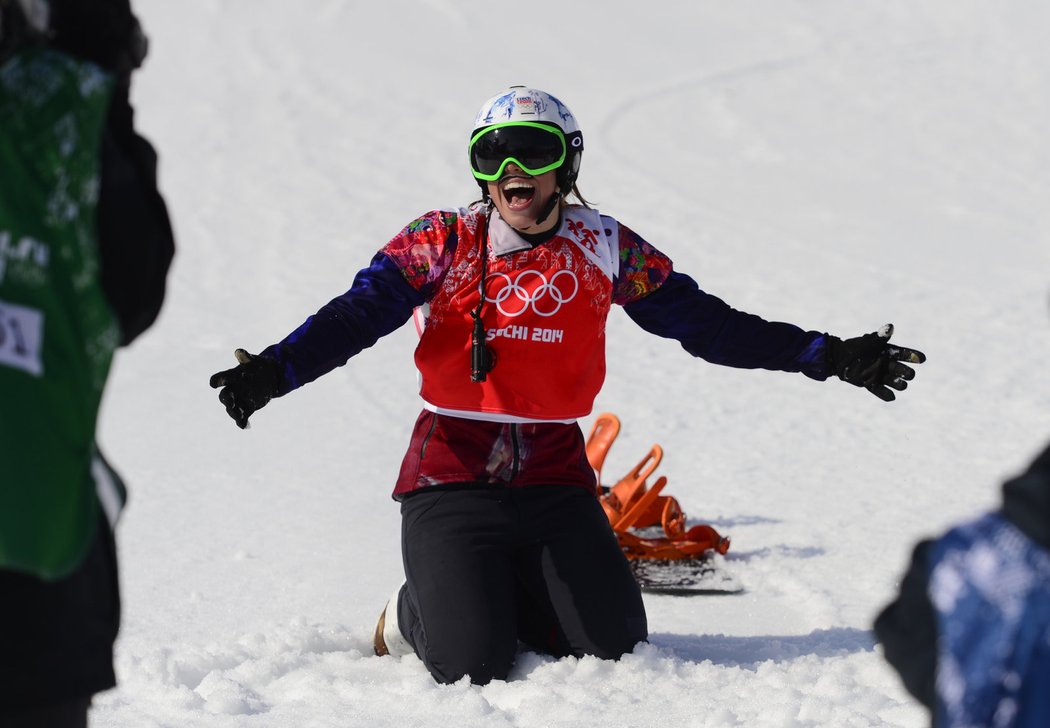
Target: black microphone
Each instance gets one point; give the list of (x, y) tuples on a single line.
[(481, 358)]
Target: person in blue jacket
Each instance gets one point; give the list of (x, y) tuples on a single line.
[(503, 537), (969, 631)]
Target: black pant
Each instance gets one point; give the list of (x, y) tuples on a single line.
[(488, 566), (56, 638), (67, 715)]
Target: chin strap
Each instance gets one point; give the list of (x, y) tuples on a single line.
[(548, 208)]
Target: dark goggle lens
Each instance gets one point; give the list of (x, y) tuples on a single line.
[(531, 147)]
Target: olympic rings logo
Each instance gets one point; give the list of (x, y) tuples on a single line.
[(532, 290)]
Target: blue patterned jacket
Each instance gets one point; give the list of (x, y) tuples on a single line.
[(970, 631)]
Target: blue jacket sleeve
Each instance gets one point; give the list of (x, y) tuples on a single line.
[(709, 328), (379, 302)]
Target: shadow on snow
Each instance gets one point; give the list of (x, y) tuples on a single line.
[(750, 652)]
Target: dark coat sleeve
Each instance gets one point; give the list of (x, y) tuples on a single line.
[(379, 302), (709, 328), (907, 630), (136, 243)]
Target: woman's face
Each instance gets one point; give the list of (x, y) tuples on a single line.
[(520, 199)]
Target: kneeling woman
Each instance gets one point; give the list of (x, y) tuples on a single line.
[(503, 538)]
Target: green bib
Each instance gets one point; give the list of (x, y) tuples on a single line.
[(57, 332)]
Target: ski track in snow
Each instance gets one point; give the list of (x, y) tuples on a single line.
[(835, 166)]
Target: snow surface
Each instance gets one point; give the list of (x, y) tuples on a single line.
[(837, 165)]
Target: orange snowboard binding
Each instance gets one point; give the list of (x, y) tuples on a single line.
[(632, 504)]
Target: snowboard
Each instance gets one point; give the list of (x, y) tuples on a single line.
[(684, 577)]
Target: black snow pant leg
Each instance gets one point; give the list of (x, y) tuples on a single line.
[(457, 610), (486, 567), (576, 593), (66, 715), (56, 638)]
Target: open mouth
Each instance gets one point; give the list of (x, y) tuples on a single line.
[(518, 192)]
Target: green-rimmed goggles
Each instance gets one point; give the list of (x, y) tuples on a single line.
[(536, 148)]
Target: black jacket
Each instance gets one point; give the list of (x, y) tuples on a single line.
[(136, 244), (58, 636)]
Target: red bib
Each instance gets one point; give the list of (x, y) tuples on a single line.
[(544, 315)]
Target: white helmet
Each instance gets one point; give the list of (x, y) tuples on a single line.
[(523, 104)]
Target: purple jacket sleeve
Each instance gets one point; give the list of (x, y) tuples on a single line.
[(379, 302), (709, 328)]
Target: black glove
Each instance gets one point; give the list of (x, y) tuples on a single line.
[(248, 386), (870, 361)]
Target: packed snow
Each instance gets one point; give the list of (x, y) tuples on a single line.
[(836, 165)]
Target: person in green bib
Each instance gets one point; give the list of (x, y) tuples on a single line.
[(85, 247)]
